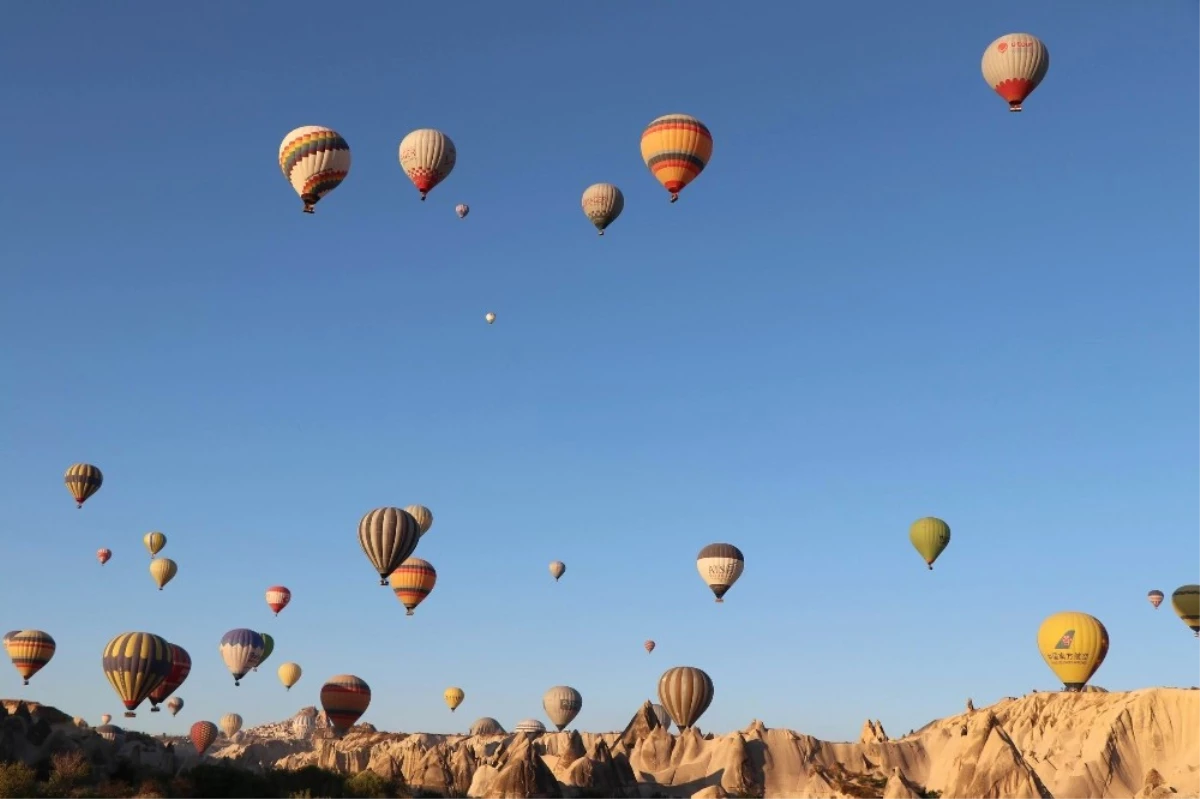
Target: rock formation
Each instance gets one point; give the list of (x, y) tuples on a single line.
[(1140, 745)]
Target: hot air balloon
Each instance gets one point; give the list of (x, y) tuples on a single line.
[(423, 515), (562, 704), (103, 555), (1156, 598), (686, 693), (203, 733), (489, 317), (1186, 601), (649, 646), (929, 536), (105, 718), (278, 597), (462, 209), (602, 204), (486, 726), (82, 480), (315, 160), (427, 156), (412, 581), (162, 571), (230, 724), (557, 569), (174, 705), (29, 650), (388, 536), (181, 667), (1014, 65), (154, 542), (661, 716), (289, 674), (268, 648), (345, 698), (676, 148), (1073, 646), (135, 664), (241, 649), (111, 733), (720, 566), (454, 697), (530, 727)]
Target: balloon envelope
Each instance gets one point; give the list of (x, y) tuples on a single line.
[(241, 649), (1073, 645), (345, 698), (676, 148), (278, 597), (29, 651), (557, 569), (929, 536), (135, 664), (82, 480), (685, 692), (1014, 65), (289, 674), (203, 733), (1185, 600), (315, 160), (562, 704), (720, 566), (387, 537), (412, 581)]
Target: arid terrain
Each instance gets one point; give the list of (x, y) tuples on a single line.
[(1142, 743)]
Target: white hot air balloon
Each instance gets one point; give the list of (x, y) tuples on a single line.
[(315, 160), (105, 718), (489, 317), (462, 209), (230, 724), (562, 704), (602, 203), (1014, 65), (427, 156)]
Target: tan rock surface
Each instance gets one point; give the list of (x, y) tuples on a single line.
[(1140, 744)]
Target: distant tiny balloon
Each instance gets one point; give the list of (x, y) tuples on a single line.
[(557, 569), (103, 555), (462, 209), (490, 317)]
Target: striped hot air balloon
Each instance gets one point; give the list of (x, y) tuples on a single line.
[(1156, 598), (111, 733), (181, 667), (1185, 600), (661, 716), (83, 480), (315, 160), (135, 664), (428, 157), (531, 727), (412, 581), (154, 542), (720, 566), (278, 597), (388, 536), (241, 649), (676, 148), (685, 692), (103, 555), (1014, 65), (29, 650), (486, 726), (602, 204), (423, 515), (203, 733), (345, 698), (231, 724)]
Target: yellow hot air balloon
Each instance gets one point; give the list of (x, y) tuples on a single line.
[(412, 581), (1073, 645), (602, 204), (135, 664), (1186, 601), (82, 480), (163, 570), (154, 542), (289, 674), (676, 148), (315, 160), (29, 650), (230, 724), (454, 697), (428, 157), (1014, 65), (423, 515), (929, 536)]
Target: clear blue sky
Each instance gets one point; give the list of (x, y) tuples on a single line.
[(886, 297)]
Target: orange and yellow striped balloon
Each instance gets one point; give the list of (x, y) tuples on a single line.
[(29, 651), (676, 148), (412, 581), (345, 698)]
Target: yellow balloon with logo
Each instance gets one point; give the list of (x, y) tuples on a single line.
[(454, 698), (1073, 645)]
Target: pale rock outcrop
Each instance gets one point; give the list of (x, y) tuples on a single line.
[(900, 788)]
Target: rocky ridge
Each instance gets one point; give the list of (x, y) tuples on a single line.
[(1140, 744)]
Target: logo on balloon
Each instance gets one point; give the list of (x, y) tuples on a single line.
[(1067, 639), (722, 571), (1002, 47)]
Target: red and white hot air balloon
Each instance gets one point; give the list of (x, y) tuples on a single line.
[(649, 645), (428, 157), (1014, 65), (278, 597), (103, 555), (462, 209)]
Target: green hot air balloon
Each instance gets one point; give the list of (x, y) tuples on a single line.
[(268, 648), (929, 537)]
